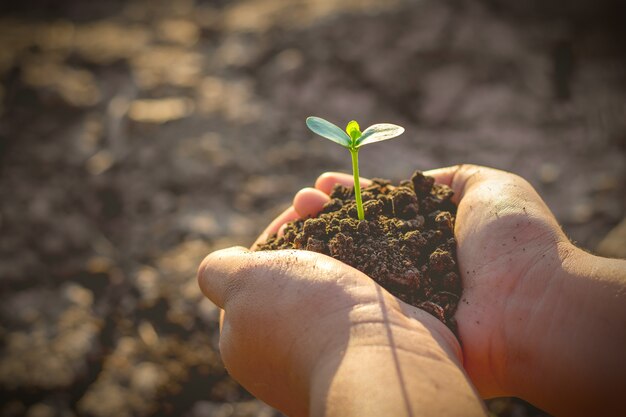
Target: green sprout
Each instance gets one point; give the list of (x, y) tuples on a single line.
[(353, 139)]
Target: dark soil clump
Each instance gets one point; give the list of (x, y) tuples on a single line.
[(406, 242)]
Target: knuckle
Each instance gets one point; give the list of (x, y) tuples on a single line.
[(521, 181), (219, 268), (211, 262), (239, 279), (204, 269)]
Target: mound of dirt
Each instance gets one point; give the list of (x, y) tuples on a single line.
[(406, 242)]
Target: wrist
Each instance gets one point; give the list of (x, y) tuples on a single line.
[(572, 335), (533, 312)]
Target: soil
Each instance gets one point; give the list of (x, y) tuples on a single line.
[(405, 243)]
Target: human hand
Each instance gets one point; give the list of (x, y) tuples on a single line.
[(512, 256), (303, 331), (539, 318)]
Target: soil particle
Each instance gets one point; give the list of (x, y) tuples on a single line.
[(405, 243)]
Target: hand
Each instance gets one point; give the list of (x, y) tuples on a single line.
[(539, 318), (517, 266), (307, 333)]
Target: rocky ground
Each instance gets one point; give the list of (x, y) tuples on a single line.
[(137, 136)]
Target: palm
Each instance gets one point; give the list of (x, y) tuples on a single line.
[(506, 240), (503, 231), (318, 309)]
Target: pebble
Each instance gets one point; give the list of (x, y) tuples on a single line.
[(160, 110), (549, 173), (581, 212)]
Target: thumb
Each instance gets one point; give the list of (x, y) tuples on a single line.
[(223, 273), (462, 178)]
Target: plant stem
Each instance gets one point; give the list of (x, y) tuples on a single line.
[(357, 185)]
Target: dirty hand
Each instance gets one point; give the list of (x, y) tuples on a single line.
[(523, 308), (310, 335)]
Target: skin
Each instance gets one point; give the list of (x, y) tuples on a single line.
[(539, 319), (310, 335)]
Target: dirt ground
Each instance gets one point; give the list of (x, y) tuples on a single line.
[(137, 136)]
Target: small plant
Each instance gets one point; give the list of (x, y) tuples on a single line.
[(353, 139)]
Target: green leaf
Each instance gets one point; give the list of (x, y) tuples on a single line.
[(353, 130), (328, 130), (379, 132)]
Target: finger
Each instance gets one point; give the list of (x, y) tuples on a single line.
[(328, 180), (443, 175), (286, 216), (439, 330), (221, 273), (308, 202), (461, 177)]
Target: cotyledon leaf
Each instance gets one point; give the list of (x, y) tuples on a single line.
[(379, 132), (328, 130)]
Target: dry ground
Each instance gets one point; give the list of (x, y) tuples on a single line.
[(137, 136)]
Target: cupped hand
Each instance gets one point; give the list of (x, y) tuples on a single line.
[(539, 318), (509, 245), (290, 315)]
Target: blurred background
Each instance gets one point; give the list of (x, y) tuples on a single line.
[(137, 136)]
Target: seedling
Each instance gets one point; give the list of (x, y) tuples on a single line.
[(353, 139)]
